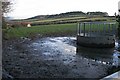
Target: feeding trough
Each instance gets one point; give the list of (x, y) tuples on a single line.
[(96, 34)]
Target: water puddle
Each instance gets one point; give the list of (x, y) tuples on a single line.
[(66, 47), (65, 51)]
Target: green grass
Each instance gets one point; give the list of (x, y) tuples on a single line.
[(45, 30), (66, 20), (60, 19), (50, 30), (70, 20)]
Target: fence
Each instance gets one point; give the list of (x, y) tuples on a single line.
[(97, 29)]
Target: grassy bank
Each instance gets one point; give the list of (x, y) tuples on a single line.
[(44, 30)]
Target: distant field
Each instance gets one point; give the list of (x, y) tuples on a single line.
[(52, 26), (69, 20), (44, 30), (54, 19), (49, 30), (35, 22)]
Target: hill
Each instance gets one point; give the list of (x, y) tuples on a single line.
[(63, 18), (70, 14)]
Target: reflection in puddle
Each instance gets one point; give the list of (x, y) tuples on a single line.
[(47, 53), (108, 56), (66, 48), (63, 54)]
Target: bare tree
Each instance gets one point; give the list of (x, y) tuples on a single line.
[(6, 6)]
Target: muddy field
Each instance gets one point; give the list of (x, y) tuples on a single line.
[(56, 57)]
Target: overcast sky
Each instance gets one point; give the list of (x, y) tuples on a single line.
[(29, 8)]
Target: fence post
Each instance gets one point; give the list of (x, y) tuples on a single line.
[(112, 25), (90, 29), (84, 30), (109, 28), (104, 28), (87, 29), (116, 29), (78, 29), (98, 28)]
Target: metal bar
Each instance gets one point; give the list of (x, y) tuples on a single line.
[(98, 28), (87, 29), (112, 29), (116, 28), (90, 29), (104, 29), (87, 24), (84, 30), (78, 29), (93, 28), (109, 29)]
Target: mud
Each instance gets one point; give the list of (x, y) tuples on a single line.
[(57, 57)]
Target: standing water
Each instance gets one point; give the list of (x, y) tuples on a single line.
[(65, 59)]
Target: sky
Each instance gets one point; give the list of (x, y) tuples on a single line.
[(28, 8)]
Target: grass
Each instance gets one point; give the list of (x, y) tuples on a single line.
[(49, 30), (68, 20), (59, 19), (48, 21), (44, 30)]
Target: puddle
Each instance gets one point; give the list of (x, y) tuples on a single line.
[(61, 57), (66, 47), (81, 61)]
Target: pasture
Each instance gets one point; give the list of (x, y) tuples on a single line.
[(65, 26), (43, 30), (69, 29)]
